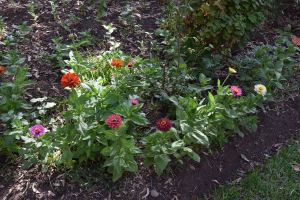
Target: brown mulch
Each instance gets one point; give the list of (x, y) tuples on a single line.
[(280, 123)]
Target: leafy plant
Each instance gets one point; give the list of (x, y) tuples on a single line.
[(61, 51), (11, 96), (268, 64)]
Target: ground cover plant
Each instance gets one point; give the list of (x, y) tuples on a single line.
[(125, 112)]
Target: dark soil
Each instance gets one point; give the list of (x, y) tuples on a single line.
[(278, 124)]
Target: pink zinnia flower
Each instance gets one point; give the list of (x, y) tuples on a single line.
[(37, 131), (134, 102), (164, 124), (296, 40), (236, 91), (114, 121)]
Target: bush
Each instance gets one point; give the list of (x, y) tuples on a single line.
[(222, 24), (199, 31)]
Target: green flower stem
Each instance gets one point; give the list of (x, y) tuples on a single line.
[(225, 80)]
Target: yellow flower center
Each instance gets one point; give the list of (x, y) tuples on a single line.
[(37, 130), (235, 90), (163, 122), (261, 89)]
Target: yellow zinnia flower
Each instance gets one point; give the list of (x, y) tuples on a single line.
[(232, 70), (260, 89)]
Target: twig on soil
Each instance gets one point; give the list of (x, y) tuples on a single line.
[(147, 193)]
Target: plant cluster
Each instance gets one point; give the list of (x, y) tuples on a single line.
[(204, 33), (103, 119)]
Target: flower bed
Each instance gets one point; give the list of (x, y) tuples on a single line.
[(121, 109), (102, 119)]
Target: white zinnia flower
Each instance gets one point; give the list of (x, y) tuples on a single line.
[(260, 89)]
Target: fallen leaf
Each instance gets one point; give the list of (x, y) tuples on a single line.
[(216, 181), (236, 181), (34, 189), (50, 193), (245, 158)]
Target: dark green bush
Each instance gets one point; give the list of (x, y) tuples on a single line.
[(222, 24)]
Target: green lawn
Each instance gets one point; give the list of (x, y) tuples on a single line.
[(278, 179)]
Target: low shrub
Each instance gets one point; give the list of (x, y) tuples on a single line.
[(204, 32)]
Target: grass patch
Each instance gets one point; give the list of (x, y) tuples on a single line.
[(278, 179)]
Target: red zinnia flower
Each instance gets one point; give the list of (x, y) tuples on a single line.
[(2, 70), (164, 124), (130, 64), (114, 121), (296, 40), (70, 80), (117, 63), (236, 91)]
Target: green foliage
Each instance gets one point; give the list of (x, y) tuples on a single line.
[(160, 146), (12, 103), (203, 33), (61, 51), (101, 6), (267, 64), (210, 119), (222, 24), (84, 134), (11, 99)]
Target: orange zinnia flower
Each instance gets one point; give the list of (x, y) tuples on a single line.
[(2, 70), (117, 63), (70, 80), (296, 40)]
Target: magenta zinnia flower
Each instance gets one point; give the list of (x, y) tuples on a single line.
[(236, 91), (134, 102), (114, 121), (164, 124), (37, 131)]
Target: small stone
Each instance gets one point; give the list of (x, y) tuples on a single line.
[(192, 167), (154, 193)]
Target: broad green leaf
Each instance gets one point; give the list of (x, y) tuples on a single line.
[(139, 119), (160, 163), (193, 155)]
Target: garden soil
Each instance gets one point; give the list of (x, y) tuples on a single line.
[(278, 124)]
